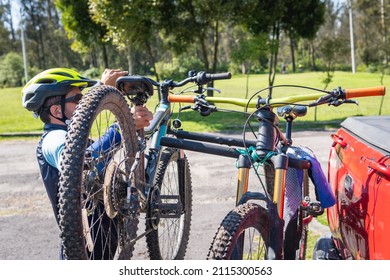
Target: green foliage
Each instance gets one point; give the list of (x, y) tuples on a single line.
[(178, 68), (92, 73), (78, 24), (250, 52), (11, 70)]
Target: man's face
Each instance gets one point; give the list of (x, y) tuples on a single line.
[(72, 98)]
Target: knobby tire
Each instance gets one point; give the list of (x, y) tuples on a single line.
[(170, 239), (87, 230), (243, 234)]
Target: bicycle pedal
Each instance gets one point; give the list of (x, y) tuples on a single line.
[(315, 209)]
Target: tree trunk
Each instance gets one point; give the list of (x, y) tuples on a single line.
[(11, 23), (105, 57), (216, 44), (204, 52), (292, 48), (94, 58), (215, 57), (129, 60), (150, 52), (312, 57), (274, 56)]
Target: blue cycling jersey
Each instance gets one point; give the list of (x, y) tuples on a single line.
[(48, 156), (52, 146)]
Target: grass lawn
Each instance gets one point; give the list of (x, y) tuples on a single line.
[(14, 118)]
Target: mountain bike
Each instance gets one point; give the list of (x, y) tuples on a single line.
[(111, 175), (270, 223)]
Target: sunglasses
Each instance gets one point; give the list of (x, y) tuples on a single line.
[(74, 99)]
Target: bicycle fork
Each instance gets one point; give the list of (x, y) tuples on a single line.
[(275, 207)]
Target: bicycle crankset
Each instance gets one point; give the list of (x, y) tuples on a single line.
[(163, 206)]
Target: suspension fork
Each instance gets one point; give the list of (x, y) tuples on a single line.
[(280, 162), (244, 166)]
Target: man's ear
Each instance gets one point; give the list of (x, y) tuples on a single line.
[(56, 111)]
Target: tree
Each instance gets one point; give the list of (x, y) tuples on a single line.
[(47, 45), (249, 52), (273, 16), (130, 25), (11, 70), (302, 19), (5, 43), (88, 35), (194, 22)]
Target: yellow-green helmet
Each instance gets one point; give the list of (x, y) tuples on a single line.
[(52, 82)]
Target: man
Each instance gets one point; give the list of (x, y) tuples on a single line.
[(53, 96)]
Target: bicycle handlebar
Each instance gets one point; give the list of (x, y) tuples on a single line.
[(281, 101), (200, 78)]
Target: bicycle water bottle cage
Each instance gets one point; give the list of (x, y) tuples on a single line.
[(289, 112), (137, 88)]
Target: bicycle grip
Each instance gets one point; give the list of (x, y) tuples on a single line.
[(181, 98), (219, 76), (204, 78), (363, 92)]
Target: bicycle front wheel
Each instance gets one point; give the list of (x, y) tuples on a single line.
[(171, 221), (94, 178), (242, 235)]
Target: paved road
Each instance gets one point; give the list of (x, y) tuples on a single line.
[(27, 227)]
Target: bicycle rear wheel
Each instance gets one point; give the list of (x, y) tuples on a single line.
[(171, 221), (242, 235), (93, 181)]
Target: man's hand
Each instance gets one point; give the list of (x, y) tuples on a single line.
[(110, 76), (142, 116)]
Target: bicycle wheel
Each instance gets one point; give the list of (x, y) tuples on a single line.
[(242, 235), (93, 182), (171, 220)]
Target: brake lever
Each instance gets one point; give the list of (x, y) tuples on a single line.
[(337, 103), (185, 108), (212, 88)]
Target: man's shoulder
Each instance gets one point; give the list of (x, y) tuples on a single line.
[(54, 137)]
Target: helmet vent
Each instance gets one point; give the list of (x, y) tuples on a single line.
[(47, 81), (63, 74)]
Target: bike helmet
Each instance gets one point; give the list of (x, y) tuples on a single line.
[(52, 82)]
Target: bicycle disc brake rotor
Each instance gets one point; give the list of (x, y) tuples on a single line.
[(114, 189)]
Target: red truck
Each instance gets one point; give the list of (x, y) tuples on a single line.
[(359, 175)]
